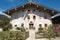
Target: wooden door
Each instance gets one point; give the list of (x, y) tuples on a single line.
[(31, 26)]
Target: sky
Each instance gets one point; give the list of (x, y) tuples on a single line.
[(7, 4)]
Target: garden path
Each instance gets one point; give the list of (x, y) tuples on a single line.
[(32, 36)]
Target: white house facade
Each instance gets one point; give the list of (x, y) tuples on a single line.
[(31, 15)]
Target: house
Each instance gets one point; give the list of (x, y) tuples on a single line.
[(56, 20), (31, 15)]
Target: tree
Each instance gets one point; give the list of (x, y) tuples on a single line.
[(7, 26), (5, 23), (1, 23)]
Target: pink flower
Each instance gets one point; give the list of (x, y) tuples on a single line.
[(55, 30)]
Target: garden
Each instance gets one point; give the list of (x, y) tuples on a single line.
[(51, 32), (8, 34)]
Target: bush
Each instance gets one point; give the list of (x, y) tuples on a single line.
[(12, 35)]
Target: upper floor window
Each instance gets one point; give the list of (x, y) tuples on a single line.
[(28, 10), (34, 17), (28, 17), (40, 10), (23, 10), (40, 25), (22, 24), (33, 10), (45, 17), (45, 25)]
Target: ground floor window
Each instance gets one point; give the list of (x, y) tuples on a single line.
[(40, 29), (15, 25)]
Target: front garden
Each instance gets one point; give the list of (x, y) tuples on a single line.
[(12, 35), (51, 32), (8, 34)]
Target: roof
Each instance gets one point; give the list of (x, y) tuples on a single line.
[(39, 6), (56, 15), (56, 20)]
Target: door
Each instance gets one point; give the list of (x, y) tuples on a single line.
[(31, 26)]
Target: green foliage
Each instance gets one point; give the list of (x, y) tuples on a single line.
[(40, 30), (50, 34), (12, 35), (7, 27), (1, 23), (58, 27), (5, 23), (23, 30)]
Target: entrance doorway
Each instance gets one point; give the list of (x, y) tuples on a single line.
[(31, 25)]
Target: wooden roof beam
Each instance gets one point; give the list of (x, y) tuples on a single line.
[(15, 9), (8, 12), (23, 6), (30, 3), (44, 9), (53, 12), (37, 6)]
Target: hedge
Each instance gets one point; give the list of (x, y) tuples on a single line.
[(12, 35)]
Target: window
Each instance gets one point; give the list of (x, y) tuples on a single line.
[(28, 10), (39, 10), (45, 25), (34, 17), (33, 10), (15, 25), (40, 25), (45, 17), (22, 24), (23, 10), (18, 28), (40, 29), (28, 17)]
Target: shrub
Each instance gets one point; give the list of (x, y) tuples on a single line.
[(12, 35)]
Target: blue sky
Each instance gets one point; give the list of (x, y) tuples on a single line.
[(7, 4)]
